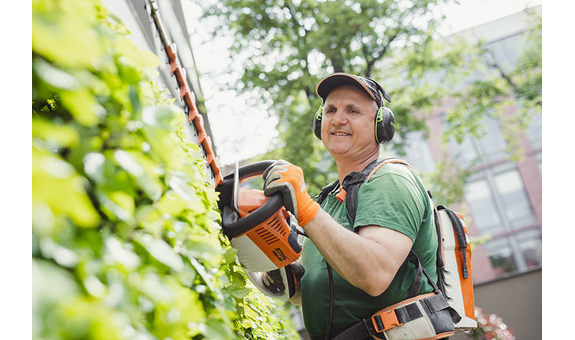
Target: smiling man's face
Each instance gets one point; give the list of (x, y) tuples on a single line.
[(347, 126)]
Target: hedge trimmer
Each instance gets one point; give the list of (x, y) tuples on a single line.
[(266, 235)]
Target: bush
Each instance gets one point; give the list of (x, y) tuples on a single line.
[(125, 232)]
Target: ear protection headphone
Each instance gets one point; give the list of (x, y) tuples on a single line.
[(384, 124)]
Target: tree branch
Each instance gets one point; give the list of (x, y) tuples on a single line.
[(502, 73), (370, 62)]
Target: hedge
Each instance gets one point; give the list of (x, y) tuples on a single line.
[(125, 226)]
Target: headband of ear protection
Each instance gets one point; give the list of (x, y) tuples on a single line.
[(384, 124)]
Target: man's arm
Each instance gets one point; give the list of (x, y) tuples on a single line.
[(368, 260)]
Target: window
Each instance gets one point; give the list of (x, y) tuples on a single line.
[(530, 247), (516, 206), (535, 131), (492, 144), (482, 205), (496, 196), (515, 251), (500, 208), (500, 253), (418, 153), (490, 147), (464, 153)]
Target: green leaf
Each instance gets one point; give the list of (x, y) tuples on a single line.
[(83, 106), (57, 134), (54, 76), (171, 203), (180, 317), (162, 252), (50, 285), (52, 175), (65, 40), (156, 266), (118, 253), (216, 329)]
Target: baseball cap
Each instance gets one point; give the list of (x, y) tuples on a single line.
[(370, 86)]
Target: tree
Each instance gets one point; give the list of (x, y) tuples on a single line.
[(293, 44)]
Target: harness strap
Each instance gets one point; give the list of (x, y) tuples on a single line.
[(416, 285), (354, 180), (325, 191), (386, 320)]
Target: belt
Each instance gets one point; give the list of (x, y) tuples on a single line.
[(367, 328)]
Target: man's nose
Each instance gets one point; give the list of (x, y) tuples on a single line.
[(339, 118)]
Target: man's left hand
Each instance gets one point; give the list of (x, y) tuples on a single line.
[(288, 179)]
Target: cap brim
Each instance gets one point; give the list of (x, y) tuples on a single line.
[(332, 81)]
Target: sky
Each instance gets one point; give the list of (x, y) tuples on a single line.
[(242, 130)]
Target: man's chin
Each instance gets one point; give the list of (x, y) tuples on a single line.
[(337, 149)]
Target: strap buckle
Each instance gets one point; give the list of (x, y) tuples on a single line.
[(341, 194), (385, 320)]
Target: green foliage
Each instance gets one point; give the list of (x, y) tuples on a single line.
[(125, 227), (293, 44)]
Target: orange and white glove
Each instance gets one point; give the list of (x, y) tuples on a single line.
[(288, 179)]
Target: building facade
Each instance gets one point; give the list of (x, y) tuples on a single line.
[(503, 198), (161, 27)]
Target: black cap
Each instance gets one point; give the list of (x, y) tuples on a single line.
[(370, 86)]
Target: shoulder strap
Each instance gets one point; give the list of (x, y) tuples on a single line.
[(387, 161), (326, 190), (352, 182)]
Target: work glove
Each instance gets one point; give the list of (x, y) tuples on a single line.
[(288, 179), (275, 284), (273, 281)]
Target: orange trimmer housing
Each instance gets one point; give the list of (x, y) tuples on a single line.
[(271, 236), (259, 227)]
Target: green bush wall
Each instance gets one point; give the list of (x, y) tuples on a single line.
[(125, 234)]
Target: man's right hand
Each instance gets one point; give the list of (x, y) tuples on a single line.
[(273, 279)]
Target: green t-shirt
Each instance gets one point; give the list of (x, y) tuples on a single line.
[(392, 198)]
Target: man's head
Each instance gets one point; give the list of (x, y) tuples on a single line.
[(384, 121), (347, 123)]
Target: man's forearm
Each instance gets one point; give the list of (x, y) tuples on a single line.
[(369, 263), (340, 247)]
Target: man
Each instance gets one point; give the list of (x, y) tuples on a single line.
[(393, 216)]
